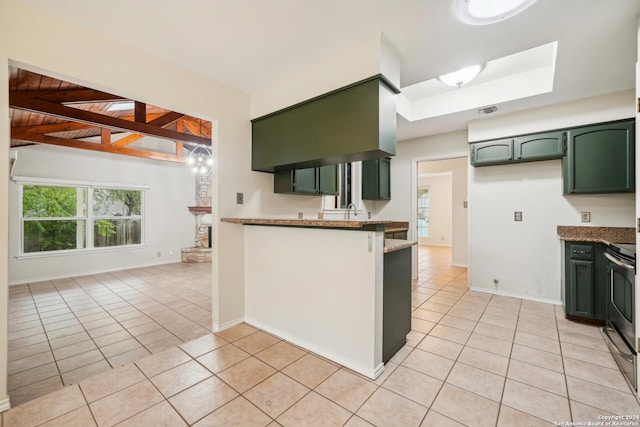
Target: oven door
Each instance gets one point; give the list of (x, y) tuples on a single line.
[(623, 355), (620, 313)]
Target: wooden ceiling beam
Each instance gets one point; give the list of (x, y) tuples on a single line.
[(69, 96), (67, 142), (126, 140), (195, 126), (140, 112), (96, 119), (160, 121), (157, 119), (105, 136)]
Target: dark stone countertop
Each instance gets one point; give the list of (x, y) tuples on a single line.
[(606, 235)]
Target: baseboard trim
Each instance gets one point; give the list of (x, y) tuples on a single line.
[(89, 273), (514, 295), (301, 342), (5, 404), (226, 325), (459, 265)]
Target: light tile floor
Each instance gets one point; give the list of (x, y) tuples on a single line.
[(471, 359), (63, 331)]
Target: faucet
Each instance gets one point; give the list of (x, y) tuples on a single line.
[(355, 211)]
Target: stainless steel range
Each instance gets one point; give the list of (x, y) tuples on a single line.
[(620, 329)]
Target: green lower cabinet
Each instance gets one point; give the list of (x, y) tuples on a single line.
[(600, 159), (376, 179), (401, 235), (396, 302), (586, 281), (580, 296)]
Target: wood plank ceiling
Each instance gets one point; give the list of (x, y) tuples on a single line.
[(46, 110)]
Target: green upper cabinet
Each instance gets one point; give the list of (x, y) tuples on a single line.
[(600, 159), (328, 177), (526, 148), (305, 181), (308, 181), (542, 146), (492, 152), (356, 122), (376, 179)]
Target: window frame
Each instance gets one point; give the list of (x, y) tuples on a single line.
[(89, 217), (330, 203)]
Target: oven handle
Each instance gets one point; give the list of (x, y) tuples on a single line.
[(618, 262), (627, 357)]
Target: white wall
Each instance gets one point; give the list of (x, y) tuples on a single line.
[(169, 226), (65, 50), (525, 257), (320, 289), (440, 187), (404, 166)]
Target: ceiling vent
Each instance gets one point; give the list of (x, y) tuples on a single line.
[(488, 110)]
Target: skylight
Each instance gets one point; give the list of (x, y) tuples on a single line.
[(121, 106), (485, 12)]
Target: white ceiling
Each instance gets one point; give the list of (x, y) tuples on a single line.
[(252, 44)]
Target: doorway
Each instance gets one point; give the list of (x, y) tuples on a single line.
[(440, 206)]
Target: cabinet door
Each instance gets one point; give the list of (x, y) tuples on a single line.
[(492, 152), (283, 181), (580, 295), (600, 159), (384, 179), (543, 146), (376, 179), (306, 181), (328, 176), (601, 282), (396, 301)]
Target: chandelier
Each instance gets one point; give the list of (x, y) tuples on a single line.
[(200, 160)]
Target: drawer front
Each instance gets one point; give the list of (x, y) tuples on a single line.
[(584, 252)]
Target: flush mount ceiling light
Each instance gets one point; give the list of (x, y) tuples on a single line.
[(460, 77), (485, 12), (200, 160)]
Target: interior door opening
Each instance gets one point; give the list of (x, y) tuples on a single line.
[(440, 206)]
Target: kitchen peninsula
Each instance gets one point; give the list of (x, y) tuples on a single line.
[(337, 288)]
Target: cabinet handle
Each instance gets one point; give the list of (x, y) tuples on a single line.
[(581, 252)]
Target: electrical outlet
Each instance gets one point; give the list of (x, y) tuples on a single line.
[(239, 198), (585, 216), (465, 204), (159, 254), (517, 216)]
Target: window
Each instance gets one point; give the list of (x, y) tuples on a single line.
[(349, 178), (423, 212), (64, 218)]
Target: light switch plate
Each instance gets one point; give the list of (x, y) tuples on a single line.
[(517, 216), (585, 216)]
